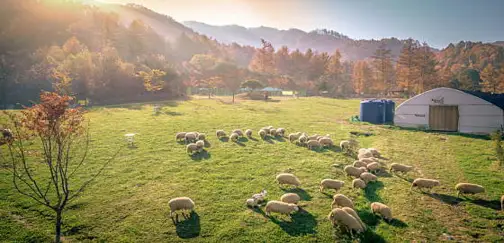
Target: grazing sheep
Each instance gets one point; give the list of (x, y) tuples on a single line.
[(355, 215), (273, 132), (180, 203), (400, 168), (468, 188), (201, 136), (325, 141), (248, 133), (238, 131), (191, 137), (331, 184), (290, 198), (262, 133), (353, 171), (373, 167), (200, 143), (362, 151), (180, 136), (346, 220), (266, 129), (288, 179), (313, 137), (294, 136), (303, 139), (280, 207), (367, 177), (280, 132), (251, 203), (358, 183), (340, 200), (374, 152), (313, 144), (220, 134), (259, 197), (234, 137), (502, 203), (345, 144), (381, 209), (424, 183), (368, 160), (365, 155), (192, 147), (359, 163)]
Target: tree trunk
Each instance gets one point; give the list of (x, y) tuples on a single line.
[(233, 97), (58, 226)]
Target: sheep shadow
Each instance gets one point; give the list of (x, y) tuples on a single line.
[(335, 149), (492, 204), (190, 227), (397, 223), (383, 173), (371, 236), (239, 143), (371, 189), (173, 113), (243, 139), (181, 142), (403, 177), (207, 144), (448, 199), (268, 140), (305, 196), (368, 217), (224, 139), (279, 139), (301, 223), (201, 155), (253, 139), (328, 194)]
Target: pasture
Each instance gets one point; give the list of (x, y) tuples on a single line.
[(129, 201)]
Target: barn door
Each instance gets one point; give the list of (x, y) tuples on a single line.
[(443, 118)]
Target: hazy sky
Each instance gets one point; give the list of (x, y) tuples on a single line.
[(438, 22)]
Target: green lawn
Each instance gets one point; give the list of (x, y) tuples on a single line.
[(129, 201)]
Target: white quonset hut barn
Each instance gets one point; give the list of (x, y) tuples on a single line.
[(446, 109)]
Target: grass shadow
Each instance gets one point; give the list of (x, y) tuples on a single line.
[(371, 189), (448, 199), (473, 136), (403, 177), (273, 101), (239, 143), (242, 139), (76, 206), (301, 223), (368, 217), (181, 142), (383, 173), (335, 149), (397, 223), (304, 195), (224, 139), (190, 227), (493, 204), (201, 155), (371, 236), (328, 194)]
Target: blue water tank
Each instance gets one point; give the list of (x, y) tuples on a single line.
[(372, 111), (389, 111)]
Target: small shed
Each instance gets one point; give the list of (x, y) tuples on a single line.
[(446, 109), (272, 91)]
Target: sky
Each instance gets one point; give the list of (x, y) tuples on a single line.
[(437, 22)]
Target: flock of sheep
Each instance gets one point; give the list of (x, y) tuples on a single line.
[(343, 213)]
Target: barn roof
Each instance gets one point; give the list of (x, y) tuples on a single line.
[(496, 99)]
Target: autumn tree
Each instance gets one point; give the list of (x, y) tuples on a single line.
[(331, 80), (54, 131), (153, 80), (428, 77), (230, 76), (252, 84), (491, 79), (362, 77), (406, 69), (382, 64), (263, 60)]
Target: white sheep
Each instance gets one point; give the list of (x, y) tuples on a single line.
[(266, 129), (248, 133), (331, 184), (313, 144), (326, 142), (368, 177), (280, 207), (375, 152), (220, 134), (251, 203), (468, 188), (359, 163), (234, 137), (340, 200), (303, 139), (180, 203), (238, 131), (259, 197), (294, 136), (200, 143), (192, 147), (313, 137), (345, 144), (346, 220), (424, 183), (280, 131), (191, 137), (290, 198), (368, 160), (383, 210), (353, 171), (201, 136), (180, 136), (352, 212), (400, 168), (262, 133), (358, 183), (273, 132), (373, 167), (288, 179)]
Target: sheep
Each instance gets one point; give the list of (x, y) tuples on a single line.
[(266, 129), (248, 133), (346, 220), (192, 147), (251, 203), (359, 163), (191, 137), (340, 200), (374, 152), (280, 132), (262, 133), (280, 207), (313, 137), (367, 177), (331, 184), (201, 136), (468, 188), (373, 167), (382, 210), (259, 197), (200, 144), (353, 171), (180, 203), (355, 215), (345, 144), (180, 136), (424, 183), (238, 131), (288, 179), (313, 144), (325, 141), (400, 167), (502, 203), (290, 198), (220, 134), (365, 155), (273, 132), (303, 139), (294, 136), (233, 137), (358, 183), (368, 160)]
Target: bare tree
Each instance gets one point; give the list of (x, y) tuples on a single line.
[(54, 133)]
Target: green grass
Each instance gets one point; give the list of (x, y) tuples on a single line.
[(129, 202)]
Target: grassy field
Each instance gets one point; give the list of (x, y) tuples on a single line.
[(129, 201)]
